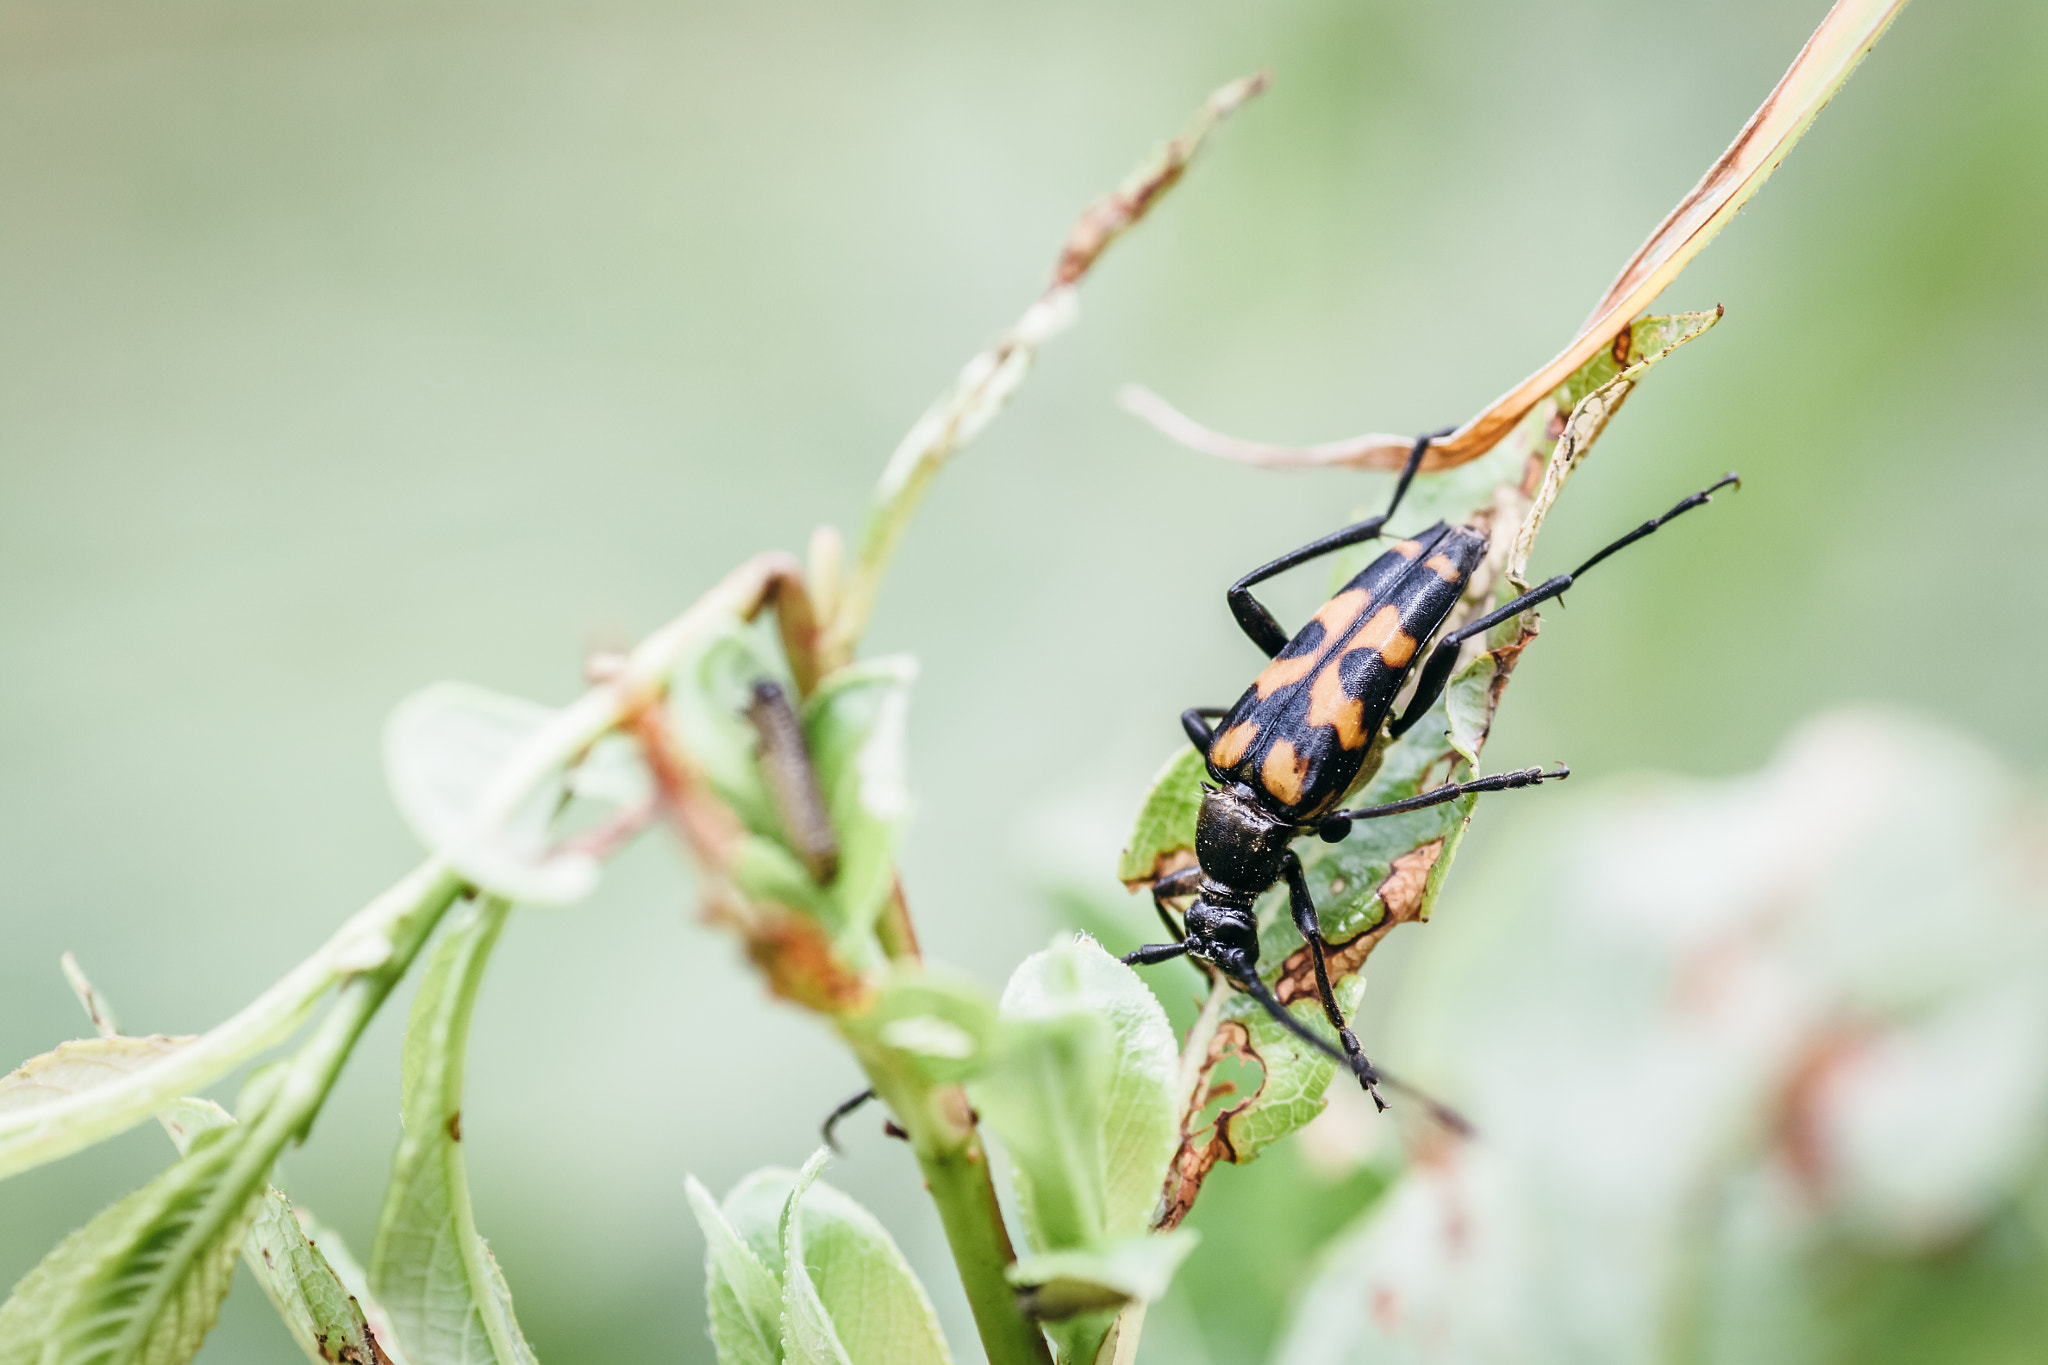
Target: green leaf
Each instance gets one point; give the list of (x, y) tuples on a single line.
[(743, 1296), (1065, 1284), (320, 1313), (1082, 1091), (936, 1025), (1165, 826), (443, 747), (808, 1336), (1296, 1076), (319, 1310), (141, 1284), (853, 726), (80, 1065), (853, 1298), (429, 1267)]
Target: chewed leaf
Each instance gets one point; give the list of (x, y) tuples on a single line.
[(442, 748), (1163, 837), (429, 1266), (1058, 1285), (76, 1066), (743, 1297), (1297, 1076)]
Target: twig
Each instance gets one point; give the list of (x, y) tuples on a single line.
[(987, 381), (1849, 31)]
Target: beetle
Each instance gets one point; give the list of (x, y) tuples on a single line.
[(1312, 727)]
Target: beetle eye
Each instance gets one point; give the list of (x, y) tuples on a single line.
[(1334, 831)]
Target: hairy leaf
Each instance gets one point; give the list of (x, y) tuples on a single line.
[(74, 1067), (141, 1284), (428, 1266), (853, 1297), (743, 1296), (319, 1310)]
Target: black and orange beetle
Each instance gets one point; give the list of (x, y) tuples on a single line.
[(1314, 723)]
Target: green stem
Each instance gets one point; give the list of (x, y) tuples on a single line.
[(939, 1122)]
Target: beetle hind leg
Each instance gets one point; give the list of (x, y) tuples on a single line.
[(1251, 614)]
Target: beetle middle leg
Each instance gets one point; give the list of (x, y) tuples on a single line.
[(1252, 616), (1437, 672), (1311, 928), (1195, 721)]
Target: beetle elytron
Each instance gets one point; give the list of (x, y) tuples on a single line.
[(1297, 741)]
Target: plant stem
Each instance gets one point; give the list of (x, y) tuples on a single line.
[(357, 950), (939, 1122)]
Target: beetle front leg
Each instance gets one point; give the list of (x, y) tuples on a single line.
[(1195, 721), (1305, 920), (1185, 882)]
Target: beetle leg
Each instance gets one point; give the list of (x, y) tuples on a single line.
[(1451, 791), (1185, 882), (1252, 616), (1154, 952), (845, 1108), (1311, 928), (1437, 672), (1195, 721)]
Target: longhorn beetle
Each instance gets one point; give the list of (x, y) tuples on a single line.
[(1314, 723)]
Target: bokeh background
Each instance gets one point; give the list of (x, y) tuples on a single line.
[(347, 348)]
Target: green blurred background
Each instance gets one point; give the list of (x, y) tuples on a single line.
[(344, 349)]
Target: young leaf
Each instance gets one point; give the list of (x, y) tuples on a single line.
[(320, 1313), (318, 1308), (1065, 1284), (442, 748), (743, 1297), (940, 1026), (141, 1284), (367, 943), (75, 1067), (808, 1336), (429, 1266), (857, 1294)]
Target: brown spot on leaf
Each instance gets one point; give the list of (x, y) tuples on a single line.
[(455, 1126), (1400, 895), (1201, 1148), (1163, 865), (1624, 342)]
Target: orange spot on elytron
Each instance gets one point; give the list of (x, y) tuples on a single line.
[(1337, 615), (1330, 704), (1445, 570), (1384, 634), (1407, 549), (1231, 744), (1283, 771)]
